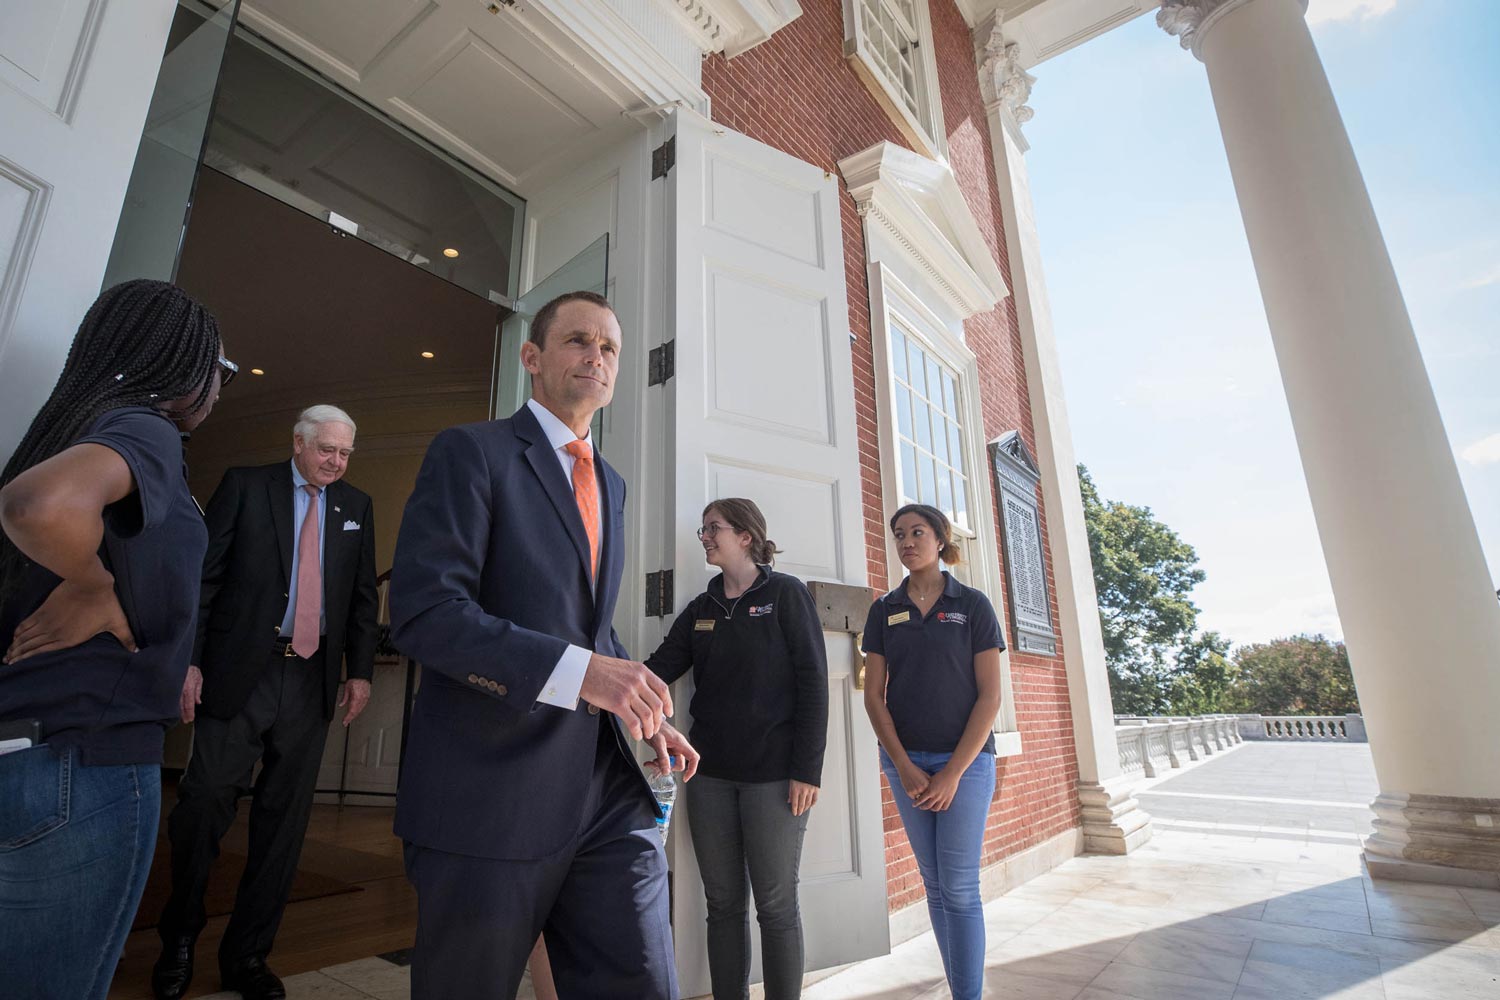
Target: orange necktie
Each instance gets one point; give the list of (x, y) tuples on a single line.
[(586, 495)]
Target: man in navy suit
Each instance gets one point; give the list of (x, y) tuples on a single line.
[(521, 804)]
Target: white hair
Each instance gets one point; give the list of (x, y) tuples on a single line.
[(310, 419)]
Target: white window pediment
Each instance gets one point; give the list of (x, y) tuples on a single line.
[(917, 204)]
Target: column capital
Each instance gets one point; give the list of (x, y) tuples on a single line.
[(1190, 20), (1003, 84)]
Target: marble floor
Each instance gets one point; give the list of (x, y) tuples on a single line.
[(1251, 889)]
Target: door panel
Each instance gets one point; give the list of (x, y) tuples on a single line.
[(762, 406), (75, 81)]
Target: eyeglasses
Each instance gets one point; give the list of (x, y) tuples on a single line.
[(230, 370), (709, 531)]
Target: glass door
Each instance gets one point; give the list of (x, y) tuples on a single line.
[(160, 194), (587, 272)]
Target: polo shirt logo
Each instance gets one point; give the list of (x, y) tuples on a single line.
[(952, 618), (761, 611)]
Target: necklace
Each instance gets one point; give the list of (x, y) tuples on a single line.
[(920, 595)]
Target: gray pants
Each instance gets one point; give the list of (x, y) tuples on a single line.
[(739, 827)]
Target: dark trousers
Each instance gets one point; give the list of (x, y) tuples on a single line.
[(601, 901), (283, 726), (746, 839)]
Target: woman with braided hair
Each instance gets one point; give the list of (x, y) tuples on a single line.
[(100, 558)]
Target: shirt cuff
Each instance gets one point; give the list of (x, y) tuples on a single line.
[(563, 685)]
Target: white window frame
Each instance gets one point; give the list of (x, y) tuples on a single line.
[(891, 301), (924, 125)]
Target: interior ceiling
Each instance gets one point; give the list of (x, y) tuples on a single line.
[(303, 143), (513, 105), (321, 313)]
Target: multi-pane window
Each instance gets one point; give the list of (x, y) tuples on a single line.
[(889, 43), (892, 37), (929, 430)]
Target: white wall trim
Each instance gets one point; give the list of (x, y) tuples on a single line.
[(733, 26)]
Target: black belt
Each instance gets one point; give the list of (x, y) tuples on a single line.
[(283, 647)]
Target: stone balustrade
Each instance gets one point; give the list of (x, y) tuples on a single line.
[(1150, 745), (1154, 744), (1319, 728)]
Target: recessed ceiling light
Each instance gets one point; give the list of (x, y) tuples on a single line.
[(257, 371), (450, 252), (428, 354)]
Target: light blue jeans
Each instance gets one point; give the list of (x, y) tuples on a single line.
[(75, 849), (947, 846)]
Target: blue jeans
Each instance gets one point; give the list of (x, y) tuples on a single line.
[(947, 846), (75, 849)]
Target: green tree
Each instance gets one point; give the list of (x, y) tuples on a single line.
[(1143, 573), (1205, 677), (1300, 675)]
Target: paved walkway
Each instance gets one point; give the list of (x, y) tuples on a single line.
[(1251, 889)]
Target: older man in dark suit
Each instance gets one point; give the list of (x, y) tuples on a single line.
[(288, 599), (521, 804)]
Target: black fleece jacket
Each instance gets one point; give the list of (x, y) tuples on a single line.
[(760, 708)]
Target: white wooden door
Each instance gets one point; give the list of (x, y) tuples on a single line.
[(75, 81), (762, 406)]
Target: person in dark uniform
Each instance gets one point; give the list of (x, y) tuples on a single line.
[(760, 722), (932, 690), (289, 600), (99, 573)]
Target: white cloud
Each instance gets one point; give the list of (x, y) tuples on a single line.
[(1482, 452), (1490, 277), (1326, 11)]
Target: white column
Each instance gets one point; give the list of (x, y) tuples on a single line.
[(1414, 595), (1112, 820)]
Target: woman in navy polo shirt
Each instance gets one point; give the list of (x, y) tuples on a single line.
[(99, 567), (932, 688), (760, 722)]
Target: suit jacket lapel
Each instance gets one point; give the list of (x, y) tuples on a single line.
[(543, 459), (279, 493)]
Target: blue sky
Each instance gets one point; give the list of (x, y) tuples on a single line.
[(1172, 384)]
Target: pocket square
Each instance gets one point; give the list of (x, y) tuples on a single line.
[(351, 525)]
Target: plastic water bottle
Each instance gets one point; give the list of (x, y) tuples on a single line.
[(664, 787)]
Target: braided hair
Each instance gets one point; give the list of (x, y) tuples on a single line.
[(142, 343)]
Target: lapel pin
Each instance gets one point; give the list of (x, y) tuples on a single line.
[(337, 509)]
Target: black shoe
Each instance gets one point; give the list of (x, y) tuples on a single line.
[(173, 972), (254, 981)]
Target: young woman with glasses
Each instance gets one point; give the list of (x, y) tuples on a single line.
[(99, 569), (932, 689), (760, 722)]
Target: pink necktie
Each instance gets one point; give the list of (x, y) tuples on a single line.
[(309, 582)]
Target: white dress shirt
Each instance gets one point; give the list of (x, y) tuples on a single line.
[(566, 679)]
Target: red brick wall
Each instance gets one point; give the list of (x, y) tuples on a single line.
[(796, 92)]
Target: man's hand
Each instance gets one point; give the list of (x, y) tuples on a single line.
[(801, 796), (668, 742), (75, 612), (628, 689), (192, 694), (356, 695)]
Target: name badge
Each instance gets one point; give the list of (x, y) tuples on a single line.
[(904, 616), (703, 625)]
